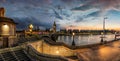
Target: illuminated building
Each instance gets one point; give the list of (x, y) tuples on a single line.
[(7, 28), (30, 28)]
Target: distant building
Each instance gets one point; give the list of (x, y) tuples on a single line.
[(30, 27), (63, 30), (54, 27), (29, 30), (69, 30), (76, 30)]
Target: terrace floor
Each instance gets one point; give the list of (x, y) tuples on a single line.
[(107, 52)]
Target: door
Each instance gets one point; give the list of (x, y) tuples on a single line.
[(5, 41)]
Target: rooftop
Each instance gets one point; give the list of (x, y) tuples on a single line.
[(5, 19)]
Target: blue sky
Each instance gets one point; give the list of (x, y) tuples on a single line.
[(69, 14)]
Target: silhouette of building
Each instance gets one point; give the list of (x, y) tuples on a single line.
[(54, 27), (76, 30)]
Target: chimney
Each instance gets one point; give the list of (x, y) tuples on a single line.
[(2, 12)]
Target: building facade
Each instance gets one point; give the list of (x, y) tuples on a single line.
[(7, 29)]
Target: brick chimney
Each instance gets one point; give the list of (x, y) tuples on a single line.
[(2, 12)]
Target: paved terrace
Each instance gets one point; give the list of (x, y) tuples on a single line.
[(106, 52), (94, 52)]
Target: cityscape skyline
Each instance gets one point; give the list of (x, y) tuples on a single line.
[(69, 14)]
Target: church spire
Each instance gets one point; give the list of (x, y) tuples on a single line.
[(54, 23)]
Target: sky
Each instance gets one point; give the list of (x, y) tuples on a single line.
[(68, 14)]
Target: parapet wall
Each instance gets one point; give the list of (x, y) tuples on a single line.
[(46, 48)]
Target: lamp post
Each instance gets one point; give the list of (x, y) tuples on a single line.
[(104, 26), (103, 33), (73, 42), (115, 35), (102, 37)]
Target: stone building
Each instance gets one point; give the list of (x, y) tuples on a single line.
[(7, 28)]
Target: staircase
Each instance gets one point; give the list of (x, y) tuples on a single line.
[(18, 56), (8, 56), (22, 56)]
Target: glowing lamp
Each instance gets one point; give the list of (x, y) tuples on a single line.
[(73, 34)]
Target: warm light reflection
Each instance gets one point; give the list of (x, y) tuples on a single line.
[(57, 52), (108, 53)]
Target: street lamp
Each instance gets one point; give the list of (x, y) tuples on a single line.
[(73, 42), (102, 37), (104, 26), (103, 33), (115, 35)]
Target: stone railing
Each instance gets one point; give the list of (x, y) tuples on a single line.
[(44, 57), (46, 48)]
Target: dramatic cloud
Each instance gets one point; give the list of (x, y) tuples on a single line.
[(94, 14), (65, 12), (100, 4)]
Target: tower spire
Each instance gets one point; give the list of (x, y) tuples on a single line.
[(54, 27), (54, 23)]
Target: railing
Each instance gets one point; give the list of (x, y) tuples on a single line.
[(49, 41), (41, 56)]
